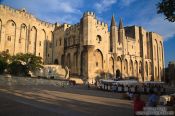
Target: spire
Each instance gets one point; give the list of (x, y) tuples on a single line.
[(121, 24), (113, 23)]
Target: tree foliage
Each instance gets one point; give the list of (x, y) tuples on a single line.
[(167, 7), (19, 64), (4, 60), (26, 62), (16, 68), (2, 66)]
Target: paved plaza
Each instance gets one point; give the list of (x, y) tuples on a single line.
[(49, 100)]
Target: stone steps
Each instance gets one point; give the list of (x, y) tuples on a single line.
[(77, 79)]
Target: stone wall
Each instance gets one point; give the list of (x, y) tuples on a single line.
[(87, 48), (21, 32)]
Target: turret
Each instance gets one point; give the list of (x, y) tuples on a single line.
[(113, 35), (122, 39), (88, 22), (121, 24), (113, 23), (121, 31)]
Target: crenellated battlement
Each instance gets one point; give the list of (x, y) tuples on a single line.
[(88, 13), (65, 26), (74, 27), (44, 23), (23, 13), (101, 23)]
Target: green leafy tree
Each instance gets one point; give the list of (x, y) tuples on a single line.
[(25, 63), (167, 7), (17, 68), (5, 58), (2, 66)]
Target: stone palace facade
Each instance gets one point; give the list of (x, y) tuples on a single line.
[(87, 47)]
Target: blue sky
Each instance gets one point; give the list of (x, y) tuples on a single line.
[(134, 12)]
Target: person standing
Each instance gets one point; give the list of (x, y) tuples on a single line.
[(138, 104), (153, 99)]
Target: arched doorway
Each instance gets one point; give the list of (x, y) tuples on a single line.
[(22, 41), (119, 64), (111, 65), (41, 45), (126, 67), (98, 59), (56, 61), (32, 40), (118, 73), (10, 36), (83, 63)]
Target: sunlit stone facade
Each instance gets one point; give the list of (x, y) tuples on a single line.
[(86, 48)]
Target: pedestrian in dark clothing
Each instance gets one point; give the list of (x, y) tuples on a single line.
[(138, 104), (153, 99)]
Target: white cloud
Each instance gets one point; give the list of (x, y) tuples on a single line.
[(104, 5), (68, 19), (157, 24), (163, 27), (49, 9), (148, 18), (67, 6), (126, 2)]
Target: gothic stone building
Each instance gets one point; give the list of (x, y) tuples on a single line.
[(87, 47)]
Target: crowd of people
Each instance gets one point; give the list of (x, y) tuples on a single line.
[(139, 104), (133, 88)]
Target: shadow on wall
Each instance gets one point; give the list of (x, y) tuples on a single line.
[(100, 74)]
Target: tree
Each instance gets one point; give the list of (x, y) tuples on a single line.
[(4, 60), (2, 66), (167, 7), (17, 68), (19, 64), (25, 63)]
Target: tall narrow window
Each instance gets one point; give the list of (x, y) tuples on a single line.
[(9, 38), (19, 40), (39, 43)]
